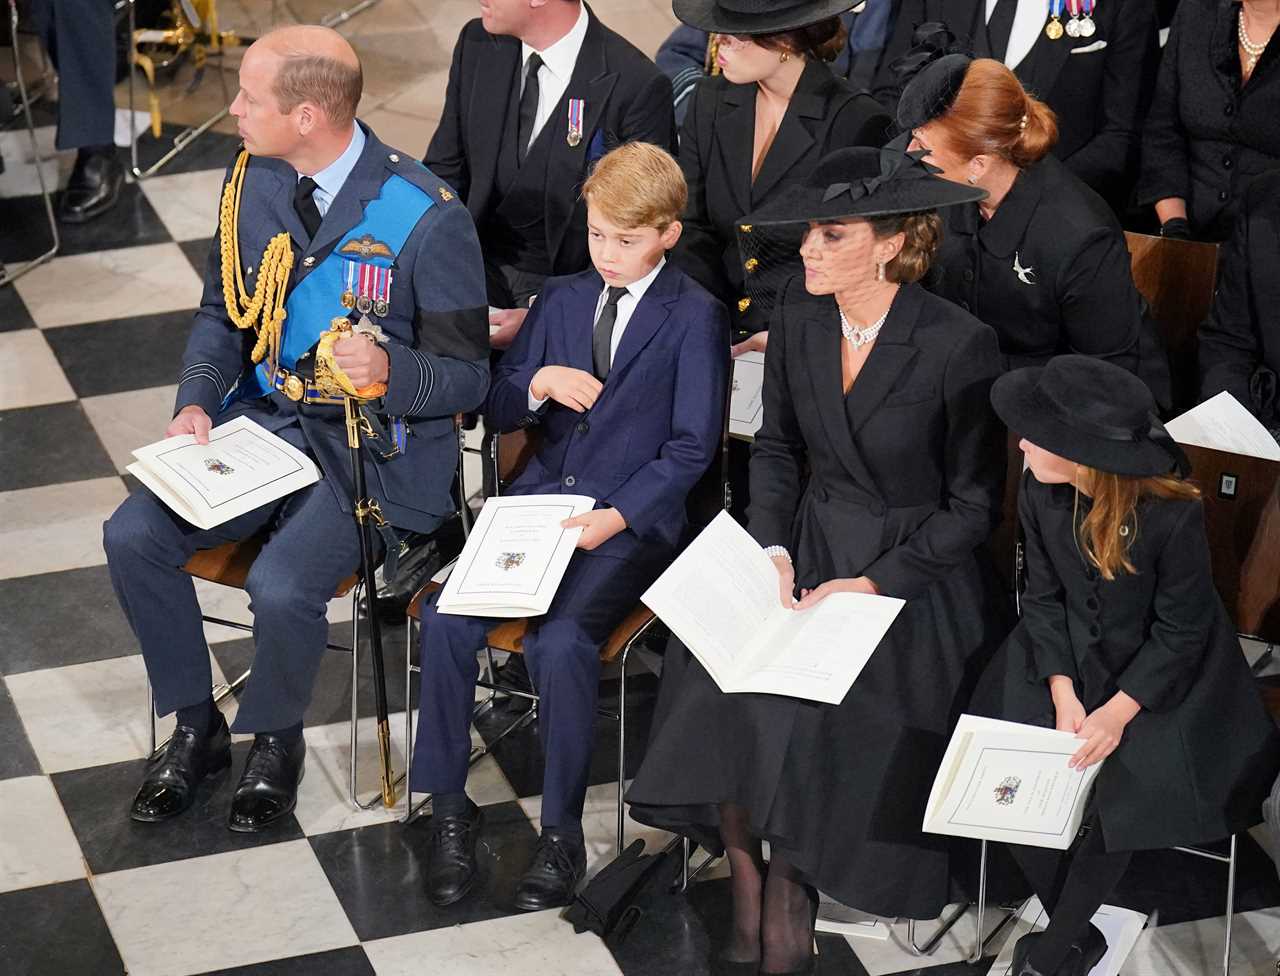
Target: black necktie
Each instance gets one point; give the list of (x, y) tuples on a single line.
[(305, 204), (602, 338), (528, 106), (1000, 26)]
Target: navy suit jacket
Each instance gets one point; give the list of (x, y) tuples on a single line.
[(437, 332), (659, 420)]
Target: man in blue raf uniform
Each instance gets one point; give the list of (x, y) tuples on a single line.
[(342, 225)]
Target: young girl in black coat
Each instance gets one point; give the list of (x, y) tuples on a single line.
[(1124, 641)]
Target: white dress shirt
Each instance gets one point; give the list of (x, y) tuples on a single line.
[(557, 68), (626, 307), (330, 179), (1028, 22)]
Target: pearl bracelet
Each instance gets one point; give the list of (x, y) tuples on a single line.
[(773, 552)]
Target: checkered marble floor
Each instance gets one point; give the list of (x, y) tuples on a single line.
[(89, 347)]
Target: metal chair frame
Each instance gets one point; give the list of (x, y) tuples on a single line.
[(9, 276)]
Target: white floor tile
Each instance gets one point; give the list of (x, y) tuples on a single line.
[(29, 372), (893, 955), (186, 202), (56, 527), (538, 944), (238, 908), (20, 178), (105, 285), (1195, 948), (127, 421), (90, 714), (37, 845), (324, 803)]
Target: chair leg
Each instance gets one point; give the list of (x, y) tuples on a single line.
[(151, 713), (622, 748), (408, 718), (1231, 907)]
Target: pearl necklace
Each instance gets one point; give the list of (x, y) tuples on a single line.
[(860, 337), (1252, 51)]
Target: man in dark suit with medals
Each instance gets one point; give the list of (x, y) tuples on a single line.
[(1092, 61), (538, 91), (333, 223)]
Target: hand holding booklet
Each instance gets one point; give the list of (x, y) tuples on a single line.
[(1009, 782), (244, 466), (720, 597), (515, 556)]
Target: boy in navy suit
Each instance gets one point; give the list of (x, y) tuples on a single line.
[(625, 369)]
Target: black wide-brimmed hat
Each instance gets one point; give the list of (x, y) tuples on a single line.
[(757, 16), (932, 90), (1091, 412), (865, 182)]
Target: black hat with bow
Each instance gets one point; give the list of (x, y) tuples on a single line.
[(1091, 412), (865, 182), (757, 16)]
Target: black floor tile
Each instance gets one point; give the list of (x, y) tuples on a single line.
[(130, 223), (1178, 887), (97, 803), (55, 930), (16, 757), (338, 962), (13, 312), (379, 873), (213, 150), (48, 445), (55, 619), (947, 969), (123, 354), (197, 253)]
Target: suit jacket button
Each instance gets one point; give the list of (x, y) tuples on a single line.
[(308, 261), (394, 158), (583, 427), (1222, 196), (1227, 162), (968, 274), (1094, 630), (570, 481), (1091, 603)]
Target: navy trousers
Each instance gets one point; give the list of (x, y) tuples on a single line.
[(562, 652), (313, 546), (80, 38)]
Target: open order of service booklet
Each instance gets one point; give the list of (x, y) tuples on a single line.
[(1120, 926), (720, 597), (1222, 423), (515, 556), (244, 466), (1009, 782), (746, 400)]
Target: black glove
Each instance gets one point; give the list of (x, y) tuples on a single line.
[(1177, 228)]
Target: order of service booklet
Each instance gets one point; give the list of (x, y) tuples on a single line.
[(720, 597), (515, 556), (244, 466), (1009, 782), (746, 401)]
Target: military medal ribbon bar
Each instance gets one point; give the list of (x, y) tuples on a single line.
[(577, 110)]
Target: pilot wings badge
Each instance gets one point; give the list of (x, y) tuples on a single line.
[(366, 247), (1026, 275)]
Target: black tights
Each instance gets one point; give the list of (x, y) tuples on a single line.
[(772, 918), (1072, 885)]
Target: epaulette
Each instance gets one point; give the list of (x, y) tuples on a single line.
[(421, 177)]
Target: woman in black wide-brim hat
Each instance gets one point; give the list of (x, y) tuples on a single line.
[(1124, 641), (878, 468)]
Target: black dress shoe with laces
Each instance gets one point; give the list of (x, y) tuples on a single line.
[(268, 788), (169, 786), (552, 879), (94, 186), (451, 867)]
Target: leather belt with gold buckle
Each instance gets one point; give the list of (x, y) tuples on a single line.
[(299, 390)]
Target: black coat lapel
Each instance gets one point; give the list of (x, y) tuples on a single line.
[(1039, 70), (794, 138), (487, 118), (566, 165), (889, 357), (735, 132)]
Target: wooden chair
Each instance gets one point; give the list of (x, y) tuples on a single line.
[(1177, 279), (510, 453)]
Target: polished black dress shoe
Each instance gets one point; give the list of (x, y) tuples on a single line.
[(268, 788), (451, 865), (94, 186), (1081, 958), (552, 879), (169, 786)]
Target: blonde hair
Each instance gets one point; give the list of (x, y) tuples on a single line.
[(1107, 533), (993, 115), (638, 185)]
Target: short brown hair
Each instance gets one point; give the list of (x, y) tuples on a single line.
[(638, 185), (993, 115), (822, 41), (922, 232), (327, 82)]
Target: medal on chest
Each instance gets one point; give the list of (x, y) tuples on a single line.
[(1054, 29), (367, 288), (1087, 27), (577, 111)]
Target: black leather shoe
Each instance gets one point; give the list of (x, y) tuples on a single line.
[(1081, 959), (1021, 951), (268, 788), (451, 867), (94, 186), (169, 786), (552, 879)]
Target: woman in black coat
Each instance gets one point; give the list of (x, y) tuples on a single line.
[(878, 468), (1214, 122), (774, 110), (1124, 642), (1042, 260)]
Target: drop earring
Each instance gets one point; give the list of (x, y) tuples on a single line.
[(879, 271), (784, 57)]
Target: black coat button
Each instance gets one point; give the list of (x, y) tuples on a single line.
[(968, 274), (1227, 162), (1229, 108), (1222, 196), (1094, 630), (963, 304), (583, 427), (570, 481), (1091, 603)]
